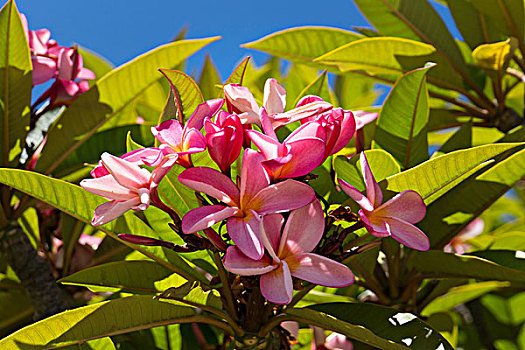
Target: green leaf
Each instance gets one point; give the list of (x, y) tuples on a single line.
[(496, 56), (96, 63), (438, 264), (508, 258), (237, 75), (381, 163), (379, 326), (16, 308), (435, 177), (209, 79), (469, 21), (401, 128), (187, 93), (100, 320), (15, 83), (460, 140), (460, 295), (142, 277), (354, 91), (415, 20), (387, 58), (318, 87), (111, 94), (303, 44), (75, 201)]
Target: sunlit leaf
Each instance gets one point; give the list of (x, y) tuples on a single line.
[(209, 79), (187, 93), (237, 75)]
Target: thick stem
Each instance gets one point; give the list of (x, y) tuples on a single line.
[(33, 271)]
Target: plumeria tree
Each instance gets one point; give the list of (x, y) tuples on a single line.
[(271, 210)]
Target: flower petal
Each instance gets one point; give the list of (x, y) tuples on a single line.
[(192, 141), (270, 227), (357, 196), (207, 109), (347, 131), (303, 230), (109, 211), (241, 98), (274, 96), (44, 68), (407, 234), (246, 234), (203, 217), (211, 182), (319, 270), (407, 206), (236, 262), (270, 147), (169, 132), (277, 286), (127, 174), (283, 196), (306, 155), (108, 187), (373, 191), (375, 225), (253, 176)]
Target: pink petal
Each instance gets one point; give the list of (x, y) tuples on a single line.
[(277, 286), (69, 86), (44, 68), (266, 124), (407, 206), (168, 132), (270, 147), (303, 230), (127, 174), (283, 196), (253, 176), (236, 262), (108, 187), (192, 141), (274, 97), (211, 182), (207, 109), (65, 65), (378, 228), (301, 112), (320, 270), (162, 169), (270, 228), (306, 155), (348, 128), (357, 196), (407, 234), (245, 233), (373, 191), (85, 73), (241, 98), (203, 217), (362, 118), (308, 130), (109, 211), (338, 341)]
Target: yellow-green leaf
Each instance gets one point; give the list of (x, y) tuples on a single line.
[(495, 56)]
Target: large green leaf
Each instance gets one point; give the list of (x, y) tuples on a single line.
[(187, 93), (379, 326), (237, 76), (77, 202), (435, 177), (303, 44), (354, 91), (15, 83), (438, 264), (387, 58), (108, 97), (415, 20), (16, 308), (381, 163), (142, 277), (401, 128), (209, 79), (100, 320)]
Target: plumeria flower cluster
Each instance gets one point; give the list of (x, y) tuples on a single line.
[(273, 218), (53, 61)]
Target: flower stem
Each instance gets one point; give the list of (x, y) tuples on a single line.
[(228, 295)]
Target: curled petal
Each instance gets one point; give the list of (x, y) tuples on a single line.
[(303, 230), (280, 197), (270, 147), (347, 131), (301, 112), (169, 132), (246, 234), (407, 234), (274, 97), (44, 68), (108, 187), (127, 174), (206, 109), (373, 191), (211, 182), (241, 98), (203, 217), (407, 206), (192, 142), (357, 196), (306, 155), (109, 211), (236, 262), (277, 286), (319, 270)]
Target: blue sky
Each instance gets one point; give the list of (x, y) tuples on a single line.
[(121, 30)]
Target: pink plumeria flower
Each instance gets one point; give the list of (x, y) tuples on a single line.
[(300, 153), (393, 218), (241, 101), (224, 138), (128, 186), (458, 244), (139, 157), (338, 124), (290, 255), (178, 141), (244, 204)]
